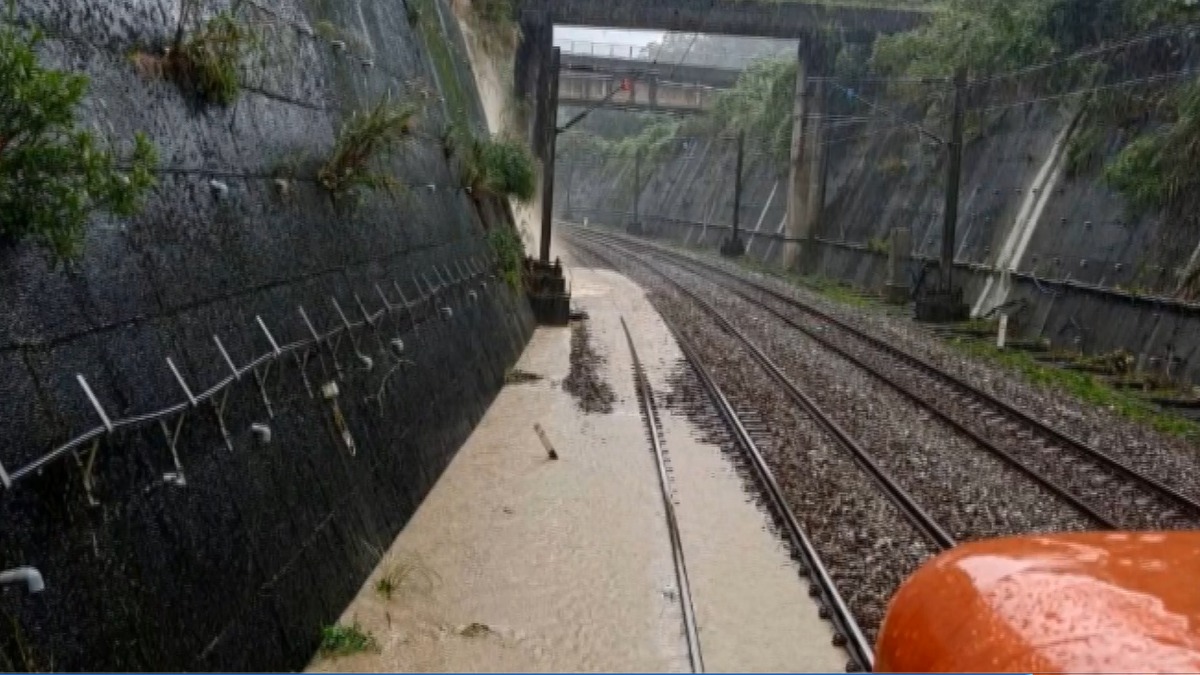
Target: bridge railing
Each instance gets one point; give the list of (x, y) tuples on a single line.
[(604, 50)]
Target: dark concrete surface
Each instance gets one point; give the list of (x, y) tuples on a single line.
[(239, 569)]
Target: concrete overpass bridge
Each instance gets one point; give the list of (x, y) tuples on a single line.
[(757, 18), (589, 80), (683, 98), (538, 63), (717, 78)]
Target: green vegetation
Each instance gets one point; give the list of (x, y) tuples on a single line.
[(985, 36), (53, 176), (442, 54), (498, 167), (1085, 386), (345, 640), (366, 137), (206, 62), (493, 22), (1083, 150), (494, 12), (761, 105), (510, 254), (837, 291), (400, 573), (1157, 168)]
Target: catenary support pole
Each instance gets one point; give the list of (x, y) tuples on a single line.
[(953, 179)]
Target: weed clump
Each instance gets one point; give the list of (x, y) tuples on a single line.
[(499, 167), (208, 61), (204, 63), (510, 255), (52, 174), (365, 137), (401, 573), (345, 640)]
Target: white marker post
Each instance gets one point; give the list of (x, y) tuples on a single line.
[(1003, 334)]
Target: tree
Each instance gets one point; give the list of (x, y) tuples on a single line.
[(53, 176)]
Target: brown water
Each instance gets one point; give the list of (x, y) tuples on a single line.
[(567, 563)]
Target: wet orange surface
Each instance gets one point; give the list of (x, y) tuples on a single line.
[(1069, 603)]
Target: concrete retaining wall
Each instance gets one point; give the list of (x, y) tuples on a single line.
[(1092, 272), (239, 568)]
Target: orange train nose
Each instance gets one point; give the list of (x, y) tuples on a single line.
[(1066, 603)]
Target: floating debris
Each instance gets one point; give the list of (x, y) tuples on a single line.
[(473, 630), (545, 442)]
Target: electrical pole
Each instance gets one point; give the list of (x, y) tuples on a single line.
[(954, 164), (737, 183), (549, 140), (945, 302), (636, 226), (733, 246), (570, 186)]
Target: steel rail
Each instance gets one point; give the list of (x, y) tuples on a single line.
[(650, 413), (1063, 492), (848, 632), (1038, 426), (911, 510)]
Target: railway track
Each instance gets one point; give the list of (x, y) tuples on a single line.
[(1107, 491), (916, 515), (850, 559), (654, 432), (703, 391)]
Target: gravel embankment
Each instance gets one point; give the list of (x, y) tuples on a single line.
[(970, 492), (1172, 460)]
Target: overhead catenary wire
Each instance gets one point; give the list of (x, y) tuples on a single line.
[(889, 113), (1149, 79), (1092, 51)]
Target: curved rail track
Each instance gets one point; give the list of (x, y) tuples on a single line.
[(1103, 488), (913, 511)]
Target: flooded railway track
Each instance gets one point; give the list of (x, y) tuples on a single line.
[(742, 426), (649, 411), (1105, 490)]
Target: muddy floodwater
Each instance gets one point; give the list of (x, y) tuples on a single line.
[(519, 562)]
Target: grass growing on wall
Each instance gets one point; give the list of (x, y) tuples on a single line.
[(53, 175), (366, 137), (1156, 168), (1160, 166), (203, 62), (510, 254), (499, 167), (207, 61)]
